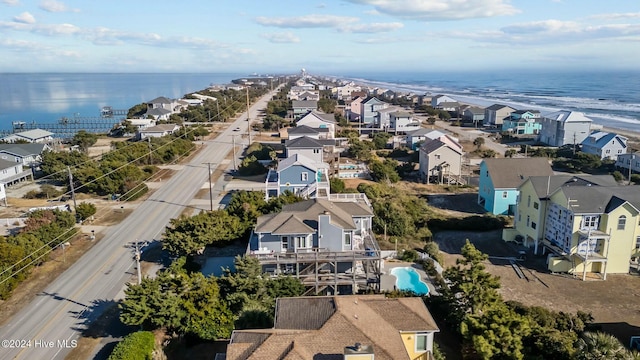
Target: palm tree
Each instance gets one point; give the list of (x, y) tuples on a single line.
[(600, 346)]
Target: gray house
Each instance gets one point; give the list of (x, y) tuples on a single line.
[(301, 107), (440, 162), (324, 243), (605, 144), (473, 115), (26, 154), (564, 128), (300, 175), (495, 114), (369, 108)]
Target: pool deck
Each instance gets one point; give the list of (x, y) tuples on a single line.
[(388, 281)]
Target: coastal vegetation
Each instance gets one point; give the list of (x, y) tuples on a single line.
[(43, 231)]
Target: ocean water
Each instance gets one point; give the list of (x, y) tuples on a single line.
[(46, 98), (610, 98)]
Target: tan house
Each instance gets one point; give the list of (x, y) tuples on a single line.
[(440, 162), (352, 327), (495, 114)]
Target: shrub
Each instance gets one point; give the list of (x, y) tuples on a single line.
[(409, 256), (135, 346), (433, 250), (84, 210), (32, 194)]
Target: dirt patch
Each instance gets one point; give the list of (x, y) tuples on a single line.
[(103, 146), (466, 202), (110, 216), (612, 302)]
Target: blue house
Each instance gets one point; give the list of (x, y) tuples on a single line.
[(523, 122), (300, 175), (500, 178)]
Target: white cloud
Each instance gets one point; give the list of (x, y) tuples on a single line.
[(307, 21), (25, 18), (11, 2), (550, 32), (282, 38), (55, 6), (441, 9), (615, 16), (371, 28)]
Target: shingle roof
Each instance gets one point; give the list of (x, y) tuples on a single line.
[(303, 129), (158, 111), (545, 185), (339, 322), (5, 164), (304, 104), (600, 199), (22, 149), (509, 173), (303, 142), (160, 100), (431, 145), (159, 128), (307, 212), (293, 225), (296, 159), (496, 107)]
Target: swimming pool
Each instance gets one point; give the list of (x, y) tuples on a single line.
[(407, 278)]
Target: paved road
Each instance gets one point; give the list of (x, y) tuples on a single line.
[(47, 327)]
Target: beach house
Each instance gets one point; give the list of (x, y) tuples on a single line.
[(326, 243), (592, 229), (440, 161), (29, 155), (369, 110), (32, 136), (157, 131), (605, 145), (437, 100), (473, 116), (351, 327), (354, 108), (533, 200), (302, 107), (629, 163), (500, 179), (299, 174), (564, 128), (496, 114), (320, 120), (417, 137), (522, 122), (12, 172), (402, 122)]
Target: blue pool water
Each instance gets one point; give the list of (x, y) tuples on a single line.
[(408, 279)]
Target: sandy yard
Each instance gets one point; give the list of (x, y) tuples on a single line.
[(612, 302)]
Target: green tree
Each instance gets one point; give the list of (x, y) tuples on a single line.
[(187, 235), (599, 345), (135, 346), (509, 153), (326, 105), (337, 185), (384, 170), (380, 140), (251, 166), (84, 210), (84, 140)]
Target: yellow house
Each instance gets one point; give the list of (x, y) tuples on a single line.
[(533, 199), (349, 327), (592, 229)]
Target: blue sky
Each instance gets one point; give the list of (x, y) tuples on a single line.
[(325, 37)]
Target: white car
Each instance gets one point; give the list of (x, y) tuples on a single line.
[(236, 129)]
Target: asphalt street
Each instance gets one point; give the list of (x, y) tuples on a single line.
[(48, 327)]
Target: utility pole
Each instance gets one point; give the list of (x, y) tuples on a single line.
[(73, 191), (218, 107), (149, 142), (633, 157), (233, 141), (248, 117), (136, 256), (210, 188)]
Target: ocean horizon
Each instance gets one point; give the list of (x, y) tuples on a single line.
[(610, 98)]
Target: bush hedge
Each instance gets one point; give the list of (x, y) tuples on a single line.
[(470, 223), (135, 346)]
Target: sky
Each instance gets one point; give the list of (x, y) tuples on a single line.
[(322, 36)]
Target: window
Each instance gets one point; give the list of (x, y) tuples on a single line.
[(305, 176), (285, 242), (590, 222), (622, 221), (519, 217), (535, 205), (316, 151), (301, 242), (421, 342), (347, 240), (505, 194), (638, 242), (608, 151), (529, 201), (528, 220), (533, 225)]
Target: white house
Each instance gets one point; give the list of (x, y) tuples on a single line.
[(158, 131), (606, 145), (316, 119), (403, 122), (32, 136), (564, 128), (12, 172), (438, 99)]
